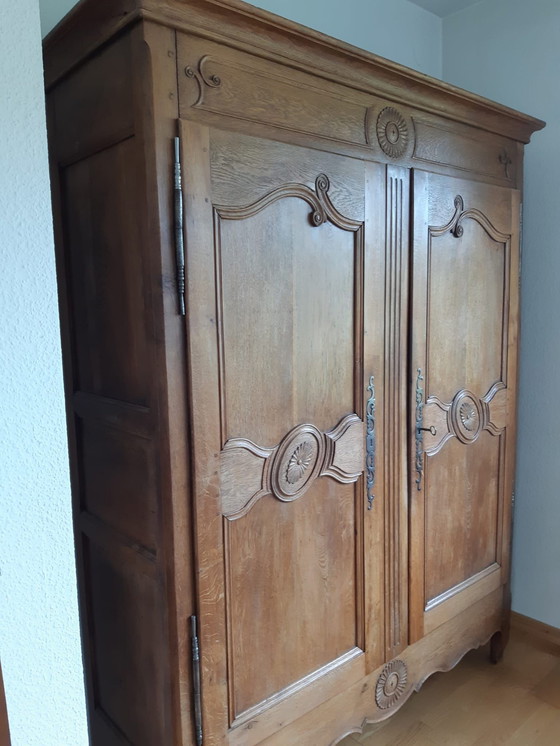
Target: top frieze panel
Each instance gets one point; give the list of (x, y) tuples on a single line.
[(92, 22)]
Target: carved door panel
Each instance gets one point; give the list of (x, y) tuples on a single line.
[(464, 336), (278, 250)]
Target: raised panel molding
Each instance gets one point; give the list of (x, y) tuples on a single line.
[(249, 472)]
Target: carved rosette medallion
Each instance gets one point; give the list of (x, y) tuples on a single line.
[(392, 132), (249, 471), (391, 684), (297, 462), (467, 416)]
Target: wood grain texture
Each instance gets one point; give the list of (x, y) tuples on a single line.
[(249, 27), (528, 626), (249, 472), (350, 712), (396, 352), (346, 222), (374, 330), (156, 103), (111, 308), (475, 704), (286, 350), (464, 341)]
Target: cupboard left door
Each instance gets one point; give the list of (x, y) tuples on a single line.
[(277, 256)]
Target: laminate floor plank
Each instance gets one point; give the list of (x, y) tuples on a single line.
[(549, 688), (515, 703)]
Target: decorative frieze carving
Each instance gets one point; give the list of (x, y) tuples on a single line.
[(389, 129), (506, 162)]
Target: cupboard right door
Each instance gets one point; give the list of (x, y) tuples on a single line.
[(463, 379)]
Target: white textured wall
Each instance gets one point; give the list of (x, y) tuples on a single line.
[(39, 638), (509, 50)]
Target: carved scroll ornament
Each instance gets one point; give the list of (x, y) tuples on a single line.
[(249, 472), (322, 208), (455, 225), (203, 77), (506, 162)]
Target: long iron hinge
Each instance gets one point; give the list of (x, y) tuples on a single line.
[(196, 681), (179, 237)]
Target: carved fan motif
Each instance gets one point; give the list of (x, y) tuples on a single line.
[(299, 462), (392, 132), (391, 684), (468, 416)]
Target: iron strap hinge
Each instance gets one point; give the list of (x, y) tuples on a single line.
[(195, 655), (178, 219)]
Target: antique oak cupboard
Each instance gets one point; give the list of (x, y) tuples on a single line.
[(290, 344)]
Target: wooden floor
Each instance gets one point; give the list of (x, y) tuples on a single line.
[(516, 702)]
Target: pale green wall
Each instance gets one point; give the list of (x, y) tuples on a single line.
[(398, 30), (509, 50)]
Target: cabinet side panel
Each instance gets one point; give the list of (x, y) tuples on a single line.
[(124, 609), (109, 283), (105, 265)]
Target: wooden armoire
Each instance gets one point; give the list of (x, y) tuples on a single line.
[(289, 280)]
